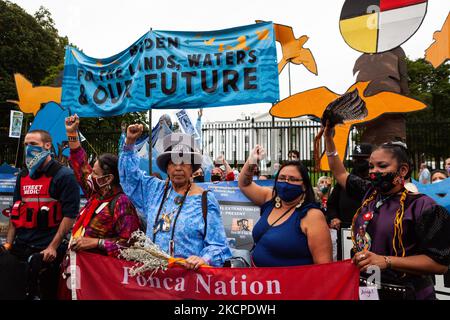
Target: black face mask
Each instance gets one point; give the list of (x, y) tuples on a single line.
[(361, 168), (199, 179), (216, 178), (383, 182)]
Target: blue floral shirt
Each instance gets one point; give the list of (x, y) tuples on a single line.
[(146, 193)]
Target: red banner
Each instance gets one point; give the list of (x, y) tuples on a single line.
[(103, 278)]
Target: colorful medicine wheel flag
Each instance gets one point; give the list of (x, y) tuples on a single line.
[(374, 26)]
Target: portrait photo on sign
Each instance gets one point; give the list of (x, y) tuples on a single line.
[(242, 225)]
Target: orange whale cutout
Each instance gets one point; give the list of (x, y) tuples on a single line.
[(209, 42), (292, 48), (313, 102), (31, 98), (242, 45), (439, 51), (263, 35)]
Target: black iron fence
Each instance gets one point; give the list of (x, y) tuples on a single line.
[(427, 141)]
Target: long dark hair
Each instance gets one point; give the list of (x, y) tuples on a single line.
[(109, 164), (400, 153), (309, 193)]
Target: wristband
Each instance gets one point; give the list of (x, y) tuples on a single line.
[(332, 153), (101, 244), (388, 262), (72, 138)]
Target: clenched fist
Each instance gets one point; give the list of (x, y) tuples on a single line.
[(257, 154), (134, 131), (72, 123)]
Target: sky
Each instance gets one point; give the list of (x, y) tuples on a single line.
[(102, 28)]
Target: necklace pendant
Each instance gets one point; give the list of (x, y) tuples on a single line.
[(157, 227), (368, 216), (178, 200), (363, 240), (166, 222)]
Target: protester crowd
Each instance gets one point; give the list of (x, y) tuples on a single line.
[(404, 233)]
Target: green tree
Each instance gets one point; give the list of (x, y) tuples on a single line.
[(432, 87), (27, 46), (32, 46)]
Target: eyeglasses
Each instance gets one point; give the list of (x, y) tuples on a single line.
[(289, 179)]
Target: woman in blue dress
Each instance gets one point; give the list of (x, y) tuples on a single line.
[(176, 221), (292, 229)]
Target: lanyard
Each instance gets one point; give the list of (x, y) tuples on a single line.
[(171, 242), (279, 218)]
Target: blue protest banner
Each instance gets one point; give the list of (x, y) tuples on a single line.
[(7, 182), (172, 69), (7, 169)]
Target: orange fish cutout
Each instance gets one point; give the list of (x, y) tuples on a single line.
[(314, 102), (292, 48), (209, 42), (439, 51), (263, 35), (242, 44), (31, 98)]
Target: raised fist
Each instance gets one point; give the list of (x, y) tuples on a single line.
[(134, 131), (72, 123), (257, 154)]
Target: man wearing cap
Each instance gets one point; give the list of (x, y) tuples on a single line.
[(340, 206), (182, 218)]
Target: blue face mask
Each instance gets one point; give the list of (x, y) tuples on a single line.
[(35, 157), (288, 192), (324, 190)]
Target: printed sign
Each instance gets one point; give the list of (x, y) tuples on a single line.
[(15, 125), (166, 69), (332, 281), (186, 124)]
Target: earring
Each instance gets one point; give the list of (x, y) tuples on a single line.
[(277, 202), (300, 203)]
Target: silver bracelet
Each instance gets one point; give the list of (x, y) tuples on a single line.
[(332, 153), (101, 244)]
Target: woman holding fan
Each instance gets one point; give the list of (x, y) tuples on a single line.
[(406, 235)]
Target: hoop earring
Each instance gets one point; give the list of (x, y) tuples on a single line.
[(277, 202), (300, 203)]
